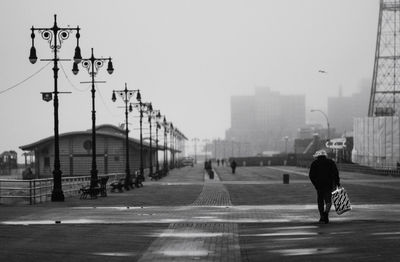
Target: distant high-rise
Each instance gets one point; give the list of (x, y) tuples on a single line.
[(264, 119), (343, 109)]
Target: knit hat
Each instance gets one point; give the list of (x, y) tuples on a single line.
[(320, 153)]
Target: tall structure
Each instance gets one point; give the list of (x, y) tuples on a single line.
[(261, 121), (385, 91), (377, 137)]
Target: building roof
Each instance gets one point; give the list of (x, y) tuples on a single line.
[(104, 130)]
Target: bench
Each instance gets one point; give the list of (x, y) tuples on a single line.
[(120, 184), (138, 181), (117, 185), (97, 190), (103, 186), (156, 175)]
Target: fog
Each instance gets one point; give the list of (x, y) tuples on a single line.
[(186, 57)]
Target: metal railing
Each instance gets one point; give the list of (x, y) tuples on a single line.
[(39, 190)]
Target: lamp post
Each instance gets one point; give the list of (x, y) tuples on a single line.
[(55, 36), (224, 144), (141, 107), (205, 148), (326, 118), (93, 65), (126, 95), (165, 164), (171, 144), (157, 116), (159, 123), (232, 144), (151, 113), (195, 140), (215, 149)]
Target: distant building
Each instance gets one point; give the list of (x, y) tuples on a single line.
[(264, 119), (309, 130), (8, 161), (343, 109), (76, 152)]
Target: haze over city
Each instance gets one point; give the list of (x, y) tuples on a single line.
[(187, 58), (206, 130)]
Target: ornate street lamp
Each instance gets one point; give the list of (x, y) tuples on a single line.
[(93, 65), (171, 144), (55, 36), (195, 140), (206, 141), (326, 118), (165, 163), (158, 126), (151, 113), (142, 108), (126, 95)]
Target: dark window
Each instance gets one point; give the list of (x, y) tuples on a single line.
[(87, 145), (47, 161)]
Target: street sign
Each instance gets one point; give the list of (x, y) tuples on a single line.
[(336, 143)]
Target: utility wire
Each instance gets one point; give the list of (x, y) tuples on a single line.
[(81, 90), (70, 82), (26, 79), (104, 103)]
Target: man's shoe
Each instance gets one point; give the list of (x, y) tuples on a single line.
[(326, 218), (321, 218)]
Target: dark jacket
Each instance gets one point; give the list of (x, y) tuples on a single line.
[(324, 174)]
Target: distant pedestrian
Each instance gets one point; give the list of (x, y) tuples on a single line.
[(324, 175), (218, 162), (223, 162), (233, 166), (27, 174)]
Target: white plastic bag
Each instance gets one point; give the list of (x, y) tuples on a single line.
[(341, 200)]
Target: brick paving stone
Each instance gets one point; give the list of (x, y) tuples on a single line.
[(214, 193), (195, 241), (208, 230), (199, 241)]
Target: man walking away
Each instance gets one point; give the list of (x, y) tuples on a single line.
[(233, 166), (324, 175)]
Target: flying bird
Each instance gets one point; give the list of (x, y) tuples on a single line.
[(322, 71)]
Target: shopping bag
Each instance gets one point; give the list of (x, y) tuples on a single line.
[(341, 200)]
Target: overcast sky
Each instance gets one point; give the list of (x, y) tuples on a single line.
[(186, 56)]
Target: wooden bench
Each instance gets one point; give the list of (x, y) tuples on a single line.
[(117, 185), (103, 186), (138, 180), (155, 175), (97, 190), (85, 191), (158, 175)]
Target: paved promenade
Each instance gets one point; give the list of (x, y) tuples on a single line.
[(249, 216)]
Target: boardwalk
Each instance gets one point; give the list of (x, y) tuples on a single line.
[(249, 216)]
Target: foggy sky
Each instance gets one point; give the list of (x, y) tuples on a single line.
[(186, 56)]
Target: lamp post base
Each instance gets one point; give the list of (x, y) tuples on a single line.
[(128, 180), (57, 196), (93, 178)]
